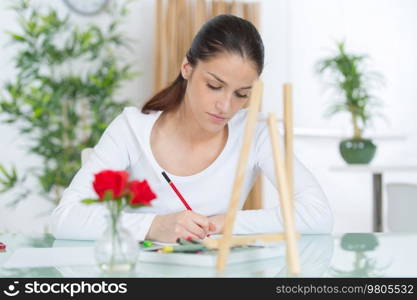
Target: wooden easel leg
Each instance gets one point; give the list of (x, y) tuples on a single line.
[(287, 212), (254, 106), (288, 139)]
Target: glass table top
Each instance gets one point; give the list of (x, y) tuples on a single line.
[(336, 255)]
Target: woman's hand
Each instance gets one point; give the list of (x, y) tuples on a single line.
[(184, 224), (218, 222)]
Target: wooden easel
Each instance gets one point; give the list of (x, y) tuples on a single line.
[(284, 180)]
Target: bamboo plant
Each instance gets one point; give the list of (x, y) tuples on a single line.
[(64, 92)]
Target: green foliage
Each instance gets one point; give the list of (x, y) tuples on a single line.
[(90, 201), (8, 179), (349, 78), (60, 108)]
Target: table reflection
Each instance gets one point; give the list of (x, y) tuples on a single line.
[(364, 264), (315, 256), (337, 255)]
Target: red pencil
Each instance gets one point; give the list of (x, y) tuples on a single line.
[(176, 191)]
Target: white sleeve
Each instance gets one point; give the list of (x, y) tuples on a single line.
[(312, 210), (72, 219)]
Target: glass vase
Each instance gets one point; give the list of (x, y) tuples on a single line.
[(116, 250)]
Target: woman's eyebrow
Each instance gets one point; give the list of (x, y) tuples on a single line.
[(217, 78), (222, 81)]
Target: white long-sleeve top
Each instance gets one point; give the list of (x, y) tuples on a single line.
[(125, 145)]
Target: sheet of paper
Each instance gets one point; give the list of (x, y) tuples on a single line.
[(209, 258), (50, 257)]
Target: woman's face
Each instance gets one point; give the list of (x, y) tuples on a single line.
[(217, 89)]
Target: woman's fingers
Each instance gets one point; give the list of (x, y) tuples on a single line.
[(218, 222), (212, 227), (185, 233), (189, 224), (201, 221), (196, 229)]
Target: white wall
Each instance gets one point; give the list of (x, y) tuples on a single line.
[(296, 33)]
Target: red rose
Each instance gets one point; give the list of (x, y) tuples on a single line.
[(141, 193), (113, 181)]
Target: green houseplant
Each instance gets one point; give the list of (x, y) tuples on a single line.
[(64, 92), (352, 82)]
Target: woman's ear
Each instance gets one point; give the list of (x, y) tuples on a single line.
[(186, 69)]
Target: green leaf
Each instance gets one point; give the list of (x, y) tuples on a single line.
[(90, 201), (9, 179), (18, 38)]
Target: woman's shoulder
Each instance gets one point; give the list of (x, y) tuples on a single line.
[(131, 116), (133, 112), (130, 122)]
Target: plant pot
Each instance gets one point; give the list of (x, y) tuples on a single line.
[(357, 151)]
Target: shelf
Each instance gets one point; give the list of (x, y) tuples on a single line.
[(336, 134)]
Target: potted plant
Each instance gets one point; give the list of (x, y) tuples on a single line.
[(352, 82), (64, 93)]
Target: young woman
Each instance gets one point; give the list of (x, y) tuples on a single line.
[(193, 131)]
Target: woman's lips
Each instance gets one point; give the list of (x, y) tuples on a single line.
[(216, 117)]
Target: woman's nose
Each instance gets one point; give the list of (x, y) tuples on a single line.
[(223, 105)]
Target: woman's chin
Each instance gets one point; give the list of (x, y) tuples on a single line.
[(214, 127)]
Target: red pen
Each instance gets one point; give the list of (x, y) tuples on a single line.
[(2, 246), (176, 191)]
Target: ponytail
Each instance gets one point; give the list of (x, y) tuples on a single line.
[(169, 98)]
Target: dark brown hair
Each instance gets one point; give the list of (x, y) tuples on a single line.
[(223, 33)]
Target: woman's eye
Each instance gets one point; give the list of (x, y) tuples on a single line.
[(214, 87), (241, 96)]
